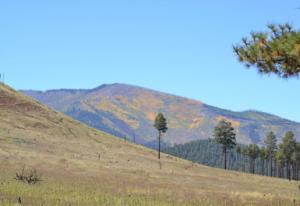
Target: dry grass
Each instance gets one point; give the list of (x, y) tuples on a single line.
[(82, 166)]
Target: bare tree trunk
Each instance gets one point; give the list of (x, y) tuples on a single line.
[(275, 168), (296, 171), (253, 166), (271, 169), (267, 167), (237, 161), (262, 166), (282, 170), (288, 170), (159, 137), (225, 158)]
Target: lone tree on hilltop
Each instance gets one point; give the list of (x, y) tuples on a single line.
[(224, 135), (161, 125), (275, 51)]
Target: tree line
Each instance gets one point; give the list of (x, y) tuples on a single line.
[(272, 159)]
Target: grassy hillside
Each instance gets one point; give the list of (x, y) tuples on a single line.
[(128, 110), (83, 166)]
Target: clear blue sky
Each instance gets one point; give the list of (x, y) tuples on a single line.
[(175, 46)]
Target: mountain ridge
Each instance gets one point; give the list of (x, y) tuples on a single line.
[(128, 110), (102, 86)]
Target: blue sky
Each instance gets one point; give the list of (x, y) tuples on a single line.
[(179, 47)]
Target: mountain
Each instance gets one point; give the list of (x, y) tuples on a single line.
[(125, 110), (87, 167)]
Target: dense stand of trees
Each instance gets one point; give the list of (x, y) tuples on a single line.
[(273, 159)]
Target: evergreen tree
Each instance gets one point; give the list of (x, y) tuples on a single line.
[(287, 149), (224, 135), (281, 162), (252, 151), (125, 138), (296, 161), (263, 156), (209, 153), (271, 147), (275, 51), (161, 125), (238, 155)]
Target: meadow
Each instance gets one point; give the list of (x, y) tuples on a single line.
[(82, 166)]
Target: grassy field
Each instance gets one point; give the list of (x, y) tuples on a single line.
[(82, 166)]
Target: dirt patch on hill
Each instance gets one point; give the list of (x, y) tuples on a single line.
[(6, 100), (9, 101)]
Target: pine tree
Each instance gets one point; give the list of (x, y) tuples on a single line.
[(287, 149), (263, 156), (281, 162), (271, 147), (209, 153), (161, 125), (274, 51), (125, 138), (224, 135), (238, 155), (252, 151), (296, 161)]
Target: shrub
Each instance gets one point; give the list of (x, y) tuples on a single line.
[(28, 176)]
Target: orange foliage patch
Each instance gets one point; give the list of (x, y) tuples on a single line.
[(185, 114), (196, 122), (147, 102), (151, 116), (106, 105)]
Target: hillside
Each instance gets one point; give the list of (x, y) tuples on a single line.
[(83, 166), (121, 110)]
